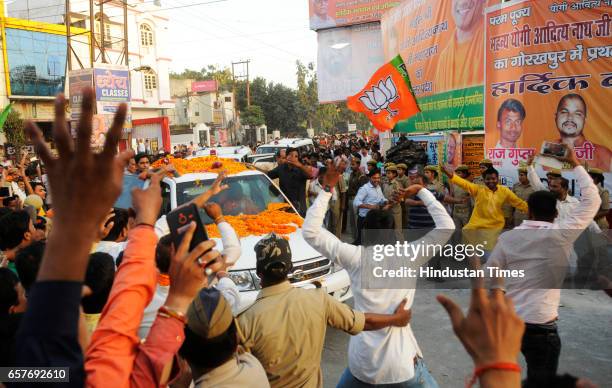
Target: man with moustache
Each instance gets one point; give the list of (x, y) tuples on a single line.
[(510, 117), (465, 47), (571, 119)]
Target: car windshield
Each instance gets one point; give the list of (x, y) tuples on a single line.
[(267, 150), (249, 194)]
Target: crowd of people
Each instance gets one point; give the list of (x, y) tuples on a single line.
[(93, 288)]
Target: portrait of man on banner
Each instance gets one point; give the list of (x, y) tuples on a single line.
[(510, 117), (320, 14), (571, 120)]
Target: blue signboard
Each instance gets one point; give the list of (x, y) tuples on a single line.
[(112, 85)]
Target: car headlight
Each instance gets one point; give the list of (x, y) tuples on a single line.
[(244, 280)]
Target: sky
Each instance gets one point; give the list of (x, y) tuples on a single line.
[(272, 34)]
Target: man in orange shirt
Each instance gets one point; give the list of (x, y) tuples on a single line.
[(461, 63)]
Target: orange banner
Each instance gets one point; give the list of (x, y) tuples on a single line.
[(548, 78)]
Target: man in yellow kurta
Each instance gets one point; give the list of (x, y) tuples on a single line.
[(488, 214), (461, 63)]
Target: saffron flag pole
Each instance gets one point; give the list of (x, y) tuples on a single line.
[(387, 97)]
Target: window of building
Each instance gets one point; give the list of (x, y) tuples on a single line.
[(146, 35), (228, 99), (150, 80), (108, 43), (197, 113), (36, 62)]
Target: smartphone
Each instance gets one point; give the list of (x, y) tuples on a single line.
[(554, 150), (5, 192), (179, 220)]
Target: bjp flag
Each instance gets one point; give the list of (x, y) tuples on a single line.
[(387, 98)]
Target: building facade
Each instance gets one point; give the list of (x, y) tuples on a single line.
[(36, 63), (198, 105)]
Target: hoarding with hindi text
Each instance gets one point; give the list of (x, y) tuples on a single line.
[(548, 78)]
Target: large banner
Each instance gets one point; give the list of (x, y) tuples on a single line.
[(346, 59), (112, 86), (548, 78), (78, 80), (335, 13), (441, 42)]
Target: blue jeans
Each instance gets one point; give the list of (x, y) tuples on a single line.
[(422, 379)]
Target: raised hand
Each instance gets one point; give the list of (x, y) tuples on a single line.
[(187, 272), (491, 332), (217, 187), (214, 211), (146, 203), (332, 176), (84, 186)]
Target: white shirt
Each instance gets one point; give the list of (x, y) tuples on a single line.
[(229, 239), (544, 255), (111, 247), (364, 162), (368, 195), (141, 148), (381, 356), (564, 206), (315, 187)]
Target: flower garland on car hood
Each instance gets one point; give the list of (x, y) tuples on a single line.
[(202, 164), (270, 220)]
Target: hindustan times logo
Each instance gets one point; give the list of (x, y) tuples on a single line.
[(414, 250)]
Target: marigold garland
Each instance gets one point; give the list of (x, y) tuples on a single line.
[(270, 220), (203, 164)]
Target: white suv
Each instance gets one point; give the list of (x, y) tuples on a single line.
[(239, 153), (267, 152), (308, 264)]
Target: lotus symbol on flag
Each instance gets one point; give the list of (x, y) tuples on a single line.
[(380, 97)]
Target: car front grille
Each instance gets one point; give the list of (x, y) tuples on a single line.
[(310, 269)]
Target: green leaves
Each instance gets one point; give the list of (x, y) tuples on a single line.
[(4, 115)]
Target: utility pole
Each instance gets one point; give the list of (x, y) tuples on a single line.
[(92, 29), (242, 75), (68, 37), (102, 37), (125, 33)]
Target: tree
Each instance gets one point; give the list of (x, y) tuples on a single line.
[(13, 130), (253, 116), (307, 94)]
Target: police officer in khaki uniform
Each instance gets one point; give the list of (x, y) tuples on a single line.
[(523, 190), (483, 166), (433, 183), (402, 178), (462, 208), (601, 216), (390, 190)]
